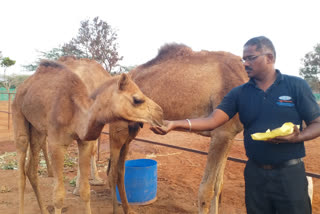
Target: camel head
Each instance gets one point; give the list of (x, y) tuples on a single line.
[(128, 103)]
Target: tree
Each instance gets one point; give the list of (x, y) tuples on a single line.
[(6, 62), (13, 81), (96, 40), (53, 54), (311, 68)]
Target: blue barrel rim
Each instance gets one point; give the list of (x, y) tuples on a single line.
[(138, 163)]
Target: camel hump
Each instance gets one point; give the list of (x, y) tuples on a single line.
[(170, 51), (45, 65), (67, 58)]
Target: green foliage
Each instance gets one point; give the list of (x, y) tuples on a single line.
[(6, 81), (12, 81), (72, 182), (69, 161), (8, 161), (31, 67), (311, 68), (7, 62), (10, 165), (53, 54)]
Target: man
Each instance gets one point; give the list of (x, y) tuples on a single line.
[(275, 178)]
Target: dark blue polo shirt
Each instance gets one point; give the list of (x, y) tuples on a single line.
[(288, 99)]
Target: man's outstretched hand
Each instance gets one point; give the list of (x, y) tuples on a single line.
[(164, 129)]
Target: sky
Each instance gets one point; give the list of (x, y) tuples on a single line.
[(144, 26)]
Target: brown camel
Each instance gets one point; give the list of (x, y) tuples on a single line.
[(186, 84), (55, 103), (93, 75)]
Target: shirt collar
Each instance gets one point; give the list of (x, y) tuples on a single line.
[(277, 81)]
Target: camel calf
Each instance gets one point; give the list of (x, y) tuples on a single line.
[(54, 103)]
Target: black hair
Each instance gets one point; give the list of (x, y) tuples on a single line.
[(261, 42)]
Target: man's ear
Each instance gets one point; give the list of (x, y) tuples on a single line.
[(271, 58), (123, 81)]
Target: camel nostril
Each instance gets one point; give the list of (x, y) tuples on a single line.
[(203, 203)]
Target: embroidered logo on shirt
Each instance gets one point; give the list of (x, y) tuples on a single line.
[(285, 101)]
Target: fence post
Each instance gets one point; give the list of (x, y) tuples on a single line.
[(9, 109)]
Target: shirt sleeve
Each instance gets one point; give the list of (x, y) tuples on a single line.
[(307, 105), (229, 102)]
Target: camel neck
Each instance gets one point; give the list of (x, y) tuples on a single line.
[(92, 121)]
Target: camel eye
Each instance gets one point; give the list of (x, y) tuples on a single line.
[(137, 101)]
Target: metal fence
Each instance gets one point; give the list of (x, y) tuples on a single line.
[(8, 97), (4, 94)]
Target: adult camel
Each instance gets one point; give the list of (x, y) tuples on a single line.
[(55, 104), (186, 84)]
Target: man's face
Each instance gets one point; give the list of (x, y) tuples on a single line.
[(254, 61)]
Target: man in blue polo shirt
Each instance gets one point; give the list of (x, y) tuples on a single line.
[(275, 178)]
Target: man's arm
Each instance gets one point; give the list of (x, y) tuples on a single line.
[(214, 120)]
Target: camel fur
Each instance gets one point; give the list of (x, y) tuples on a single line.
[(186, 84), (55, 104), (93, 75)]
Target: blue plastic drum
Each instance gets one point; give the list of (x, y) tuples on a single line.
[(140, 180)]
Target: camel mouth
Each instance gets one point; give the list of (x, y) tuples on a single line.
[(157, 123)]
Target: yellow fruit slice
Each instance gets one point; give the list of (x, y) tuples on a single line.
[(285, 129)]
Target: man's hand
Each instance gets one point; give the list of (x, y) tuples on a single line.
[(291, 138), (164, 129)]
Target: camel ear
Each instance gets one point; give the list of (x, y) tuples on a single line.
[(123, 81)]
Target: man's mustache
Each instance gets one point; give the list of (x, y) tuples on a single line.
[(248, 68)]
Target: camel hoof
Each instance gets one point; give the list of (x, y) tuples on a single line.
[(76, 191), (50, 209), (97, 182)]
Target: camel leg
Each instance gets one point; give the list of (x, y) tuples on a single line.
[(211, 184), (76, 190), (22, 151), (120, 182), (46, 157), (115, 147), (121, 134), (57, 153), (21, 139), (36, 141), (85, 149), (95, 178)]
